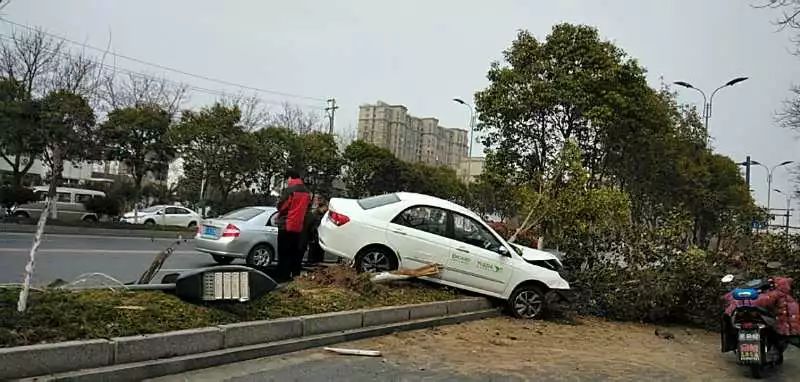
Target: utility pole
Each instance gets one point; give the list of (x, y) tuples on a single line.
[(331, 110)]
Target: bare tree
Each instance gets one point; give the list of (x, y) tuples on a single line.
[(294, 118), (30, 59), (254, 113), (127, 89)]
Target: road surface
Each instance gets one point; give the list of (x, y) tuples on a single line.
[(505, 349), (68, 256)]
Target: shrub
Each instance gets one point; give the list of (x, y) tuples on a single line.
[(104, 206)]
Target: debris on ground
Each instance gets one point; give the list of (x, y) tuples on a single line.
[(365, 353), (664, 334), (130, 307), (405, 274)]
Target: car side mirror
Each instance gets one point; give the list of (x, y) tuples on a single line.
[(503, 251)]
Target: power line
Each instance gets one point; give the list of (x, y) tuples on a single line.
[(213, 92), (163, 67)]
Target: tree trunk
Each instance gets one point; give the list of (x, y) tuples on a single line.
[(22, 303), (55, 177)]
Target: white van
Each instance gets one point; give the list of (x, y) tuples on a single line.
[(69, 204)]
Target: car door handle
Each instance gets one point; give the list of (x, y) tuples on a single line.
[(462, 250), (399, 232)]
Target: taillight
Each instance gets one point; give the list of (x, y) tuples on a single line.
[(231, 231), (337, 218)]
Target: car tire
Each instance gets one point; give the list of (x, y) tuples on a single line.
[(260, 256), (21, 215), (375, 260), (90, 219), (150, 222), (527, 302), (222, 260), (192, 225)]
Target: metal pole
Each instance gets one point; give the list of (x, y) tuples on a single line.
[(469, 152), (747, 172)]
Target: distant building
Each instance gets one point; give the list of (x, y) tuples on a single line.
[(410, 138), (80, 173), (471, 168)]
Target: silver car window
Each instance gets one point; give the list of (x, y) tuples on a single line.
[(243, 214)]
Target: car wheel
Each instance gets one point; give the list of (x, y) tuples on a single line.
[(192, 225), (21, 215), (90, 219), (150, 223), (527, 302), (376, 260), (222, 260), (260, 256)]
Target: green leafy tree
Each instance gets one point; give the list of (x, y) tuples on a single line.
[(371, 170), (320, 161), (21, 138), (278, 150), (213, 142), (70, 132), (138, 138), (547, 92)]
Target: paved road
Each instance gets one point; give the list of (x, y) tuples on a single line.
[(505, 349), (68, 256), (317, 365)]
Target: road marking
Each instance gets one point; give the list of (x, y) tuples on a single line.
[(98, 251), (106, 237)]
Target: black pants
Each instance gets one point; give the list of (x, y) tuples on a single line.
[(290, 258)]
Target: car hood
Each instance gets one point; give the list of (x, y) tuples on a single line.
[(530, 254)]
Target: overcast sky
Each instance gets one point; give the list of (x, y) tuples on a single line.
[(423, 53)]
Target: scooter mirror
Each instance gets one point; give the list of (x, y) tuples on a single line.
[(774, 265), (727, 279)]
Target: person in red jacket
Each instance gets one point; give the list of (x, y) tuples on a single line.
[(292, 208)]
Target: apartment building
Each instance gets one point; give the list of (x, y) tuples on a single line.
[(410, 138)]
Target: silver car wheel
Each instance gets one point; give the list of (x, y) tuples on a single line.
[(375, 261), (528, 304), (262, 257)]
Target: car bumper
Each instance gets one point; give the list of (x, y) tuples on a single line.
[(333, 252), (566, 295), (221, 247)]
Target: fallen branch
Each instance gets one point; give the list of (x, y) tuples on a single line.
[(405, 274), (365, 353)]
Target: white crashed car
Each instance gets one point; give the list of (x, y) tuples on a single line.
[(409, 230)]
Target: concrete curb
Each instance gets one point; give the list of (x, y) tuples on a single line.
[(225, 343), (157, 368), (65, 230)]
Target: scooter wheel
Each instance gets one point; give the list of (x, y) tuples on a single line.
[(755, 371)]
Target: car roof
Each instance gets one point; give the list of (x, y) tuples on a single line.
[(433, 201), (70, 189)]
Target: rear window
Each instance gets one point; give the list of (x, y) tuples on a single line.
[(243, 214), (378, 201)]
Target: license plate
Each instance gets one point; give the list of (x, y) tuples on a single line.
[(210, 231), (749, 347)]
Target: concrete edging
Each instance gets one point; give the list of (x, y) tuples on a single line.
[(66, 230), (266, 337)]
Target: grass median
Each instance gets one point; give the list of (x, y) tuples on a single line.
[(58, 315)]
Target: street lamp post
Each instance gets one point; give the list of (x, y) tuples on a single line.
[(770, 171), (471, 130), (707, 102)]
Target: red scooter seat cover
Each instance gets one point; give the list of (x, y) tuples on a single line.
[(779, 301)]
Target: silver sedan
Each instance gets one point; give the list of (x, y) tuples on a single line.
[(248, 233)]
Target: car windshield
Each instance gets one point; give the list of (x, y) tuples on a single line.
[(243, 214), (378, 201), (517, 249), (150, 210)]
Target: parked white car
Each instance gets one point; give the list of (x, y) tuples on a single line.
[(163, 215), (385, 232)]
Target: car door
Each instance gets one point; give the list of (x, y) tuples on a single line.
[(419, 236), (475, 260), (175, 217)]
